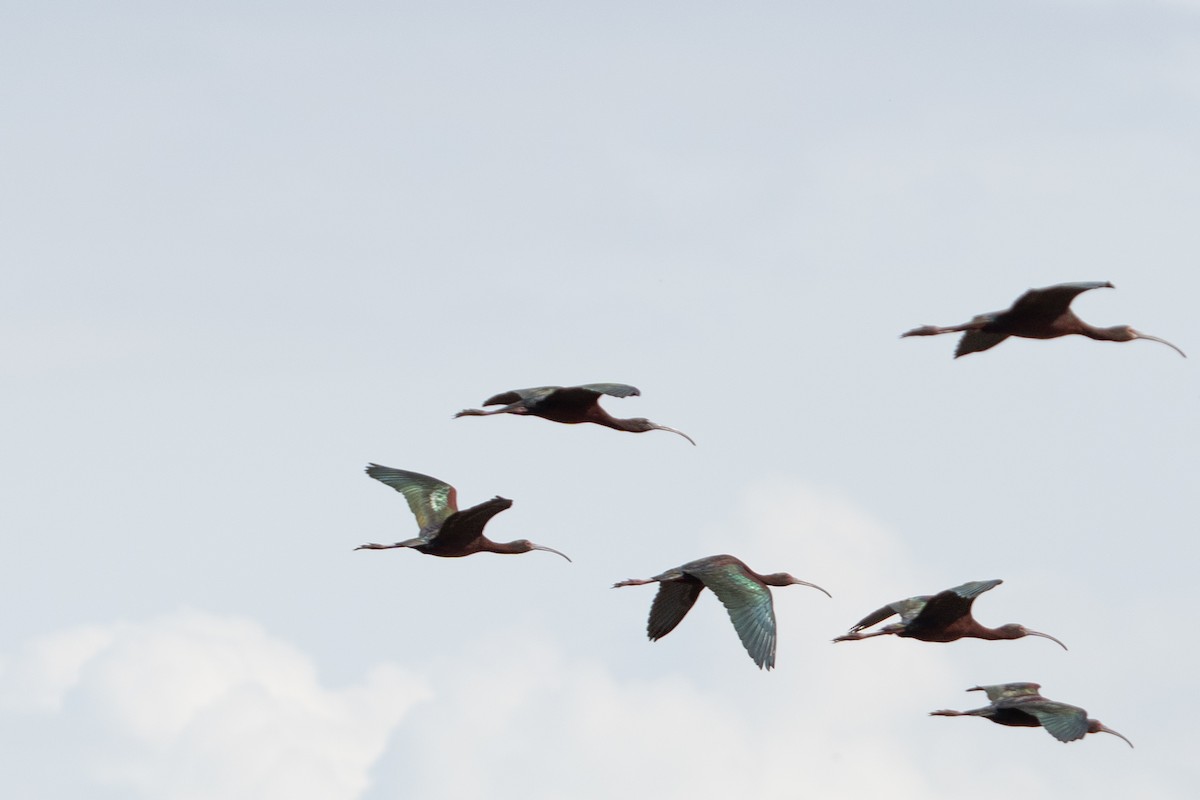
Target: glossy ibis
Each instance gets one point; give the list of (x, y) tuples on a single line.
[(1019, 704), (1037, 314), (942, 617), (570, 405), (446, 531), (741, 590)]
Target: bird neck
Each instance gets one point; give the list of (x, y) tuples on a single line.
[(599, 416), (1116, 333), (503, 548), (1003, 632)]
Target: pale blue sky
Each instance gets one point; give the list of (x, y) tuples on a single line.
[(254, 246)]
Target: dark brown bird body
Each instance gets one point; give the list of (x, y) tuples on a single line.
[(942, 617), (1020, 705), (741, 590), (446, 531), (570, 405), (1038, 314)]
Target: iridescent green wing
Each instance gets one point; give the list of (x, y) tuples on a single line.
[(431, 500), (750, 609), (1064, 722), (674, 600), (1008, 691)]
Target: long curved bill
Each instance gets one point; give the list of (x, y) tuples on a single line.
[(672, 430), (550, 550), (1106, 729), (1141, 335), (813, 585), (1045, 636)]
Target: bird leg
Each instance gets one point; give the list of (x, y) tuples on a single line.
[(975, 712), (405, 543), (513, 408), (854, 636), (934, 330), (633, 582)]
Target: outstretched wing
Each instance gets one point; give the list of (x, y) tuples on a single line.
[(750, 609), (907, 609), (1008, 691), (1064, 722), (977, 342), (672, 603), (610, 389), (945, 607), (520, 395), (460, 529), (431, 500), (1051, 302)]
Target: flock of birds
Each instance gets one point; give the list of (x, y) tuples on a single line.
[(943, 617)]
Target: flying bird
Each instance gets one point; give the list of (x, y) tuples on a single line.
[(1038, 314), (570, 405), (942, 617), (446, 531), (741, 590), (1020, 705)]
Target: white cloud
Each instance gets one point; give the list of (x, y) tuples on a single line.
[(518, 717), (192, 705)]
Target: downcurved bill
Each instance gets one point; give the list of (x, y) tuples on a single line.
[(1106, 729), (550, 550), (1045, 636), (813, 585), (672, 430), (1141, 335)]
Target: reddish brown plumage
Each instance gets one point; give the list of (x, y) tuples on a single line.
[(1038, 314), (943, 617)]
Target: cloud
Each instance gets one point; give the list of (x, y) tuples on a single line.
[(192, 705), (518, 716)]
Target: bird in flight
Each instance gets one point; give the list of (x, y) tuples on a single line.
[(570, 405), (942, 617), (1038, 314), (444, 530), (741, 590), (1020, 705)]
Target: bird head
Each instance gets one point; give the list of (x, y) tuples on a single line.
[(1014, 631), (787, 579), (524, 545), (641, 425), (1095, 726)]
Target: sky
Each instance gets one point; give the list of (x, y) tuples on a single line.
[(251, 247)]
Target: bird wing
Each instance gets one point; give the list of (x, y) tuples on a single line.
[(1004, 691), (945, 607), (1050, 302), (610, 389), (431, 500), (1064, 722), (674, 600), (977, 342), (907, 609), (519, 395), (463, 527), (750, 609)]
